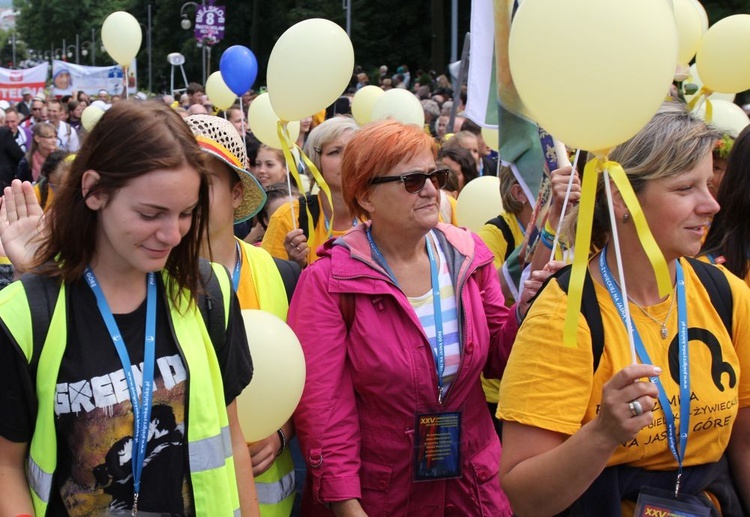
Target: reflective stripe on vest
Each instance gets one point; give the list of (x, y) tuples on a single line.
[(207, 429), (272, 493), (210, 453), (39, 480)]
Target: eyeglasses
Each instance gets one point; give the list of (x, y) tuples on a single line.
[(35, 109), (414, 181)]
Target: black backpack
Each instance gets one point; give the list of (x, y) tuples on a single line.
[(308, 202), (713, 280), (502, 225)]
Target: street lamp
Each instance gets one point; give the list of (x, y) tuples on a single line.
[(70, 53), (185, 24), (12, 42)]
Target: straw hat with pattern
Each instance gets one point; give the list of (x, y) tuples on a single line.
[(219, 138)]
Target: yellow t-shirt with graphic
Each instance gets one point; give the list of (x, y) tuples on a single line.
[(282, 223), (551, 386)]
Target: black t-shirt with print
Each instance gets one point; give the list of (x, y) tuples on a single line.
[(93, 413)]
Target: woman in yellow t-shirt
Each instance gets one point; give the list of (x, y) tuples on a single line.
[(284, 238), (728, 240), (587, 438)]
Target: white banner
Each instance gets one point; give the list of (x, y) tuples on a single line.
[(69, 77), (12, 81)]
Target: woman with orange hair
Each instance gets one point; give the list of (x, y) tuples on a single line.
[(394, 421)]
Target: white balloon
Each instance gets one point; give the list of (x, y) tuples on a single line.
[(726, 116)]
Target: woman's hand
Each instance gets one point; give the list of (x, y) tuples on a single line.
[(263, 453), (559, 185), (20, 224), (296, 246), (532, 284), (616, 423)]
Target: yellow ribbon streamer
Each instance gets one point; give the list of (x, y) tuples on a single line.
[(703, 93), (286, 145), (583, 240)]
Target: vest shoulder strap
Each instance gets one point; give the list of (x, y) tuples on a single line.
[(502, 225), (42, 293), (308, 201), (290, 272), (211, 304)]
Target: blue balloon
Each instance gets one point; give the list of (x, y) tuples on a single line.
[(239, 68)]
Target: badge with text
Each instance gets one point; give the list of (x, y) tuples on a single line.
[(437, 448), (660, 503)]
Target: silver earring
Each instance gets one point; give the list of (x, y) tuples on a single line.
[(625, 218)]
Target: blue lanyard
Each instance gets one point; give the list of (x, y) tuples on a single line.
[(327, 222), (237, 268), (438, 351), (684, 361), (142, 407)]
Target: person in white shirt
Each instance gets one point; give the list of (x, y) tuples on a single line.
[(67, 137)]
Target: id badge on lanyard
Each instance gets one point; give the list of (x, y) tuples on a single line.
[(661, 503), (437, 446)]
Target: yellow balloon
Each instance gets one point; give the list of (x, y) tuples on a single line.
[(278, 376), (702, 14), (399, 104), (478, 202), (218, 91), (363, 102), (121, 35), (575, 95), (726, 116), (491, 137), (90, 116), (689, 30), (309, 68), (263, 122), (695, 79), (723, 57)]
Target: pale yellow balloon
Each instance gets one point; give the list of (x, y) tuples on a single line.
[(723, 57), (263, 122), (726, 116), (689, 30), (218, 91), (399, 104), (478, 202), (121, 36), (363, 102), (695, 79), (491, 137), (278, 376), (575, 95), (90, 116), (702, 14), (309, 68)]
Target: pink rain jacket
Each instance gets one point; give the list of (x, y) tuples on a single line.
[(364, 386)]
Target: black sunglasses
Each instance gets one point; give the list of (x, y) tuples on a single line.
[(414, 181)]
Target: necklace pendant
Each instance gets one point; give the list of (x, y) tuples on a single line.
[(664, 331)]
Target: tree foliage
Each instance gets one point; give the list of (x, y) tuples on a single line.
[(390, 32)]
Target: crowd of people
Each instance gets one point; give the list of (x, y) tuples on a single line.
[(433, 387)]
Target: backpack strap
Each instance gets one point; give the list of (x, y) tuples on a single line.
[(42, 293), (717, 286), (502, 225), (290, 272), (308, 202), (211, 303), (589, 310)]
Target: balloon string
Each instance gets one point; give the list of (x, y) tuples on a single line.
[(125, 80), (565, 205), (620, 272), (291, 199), (244, 133)]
